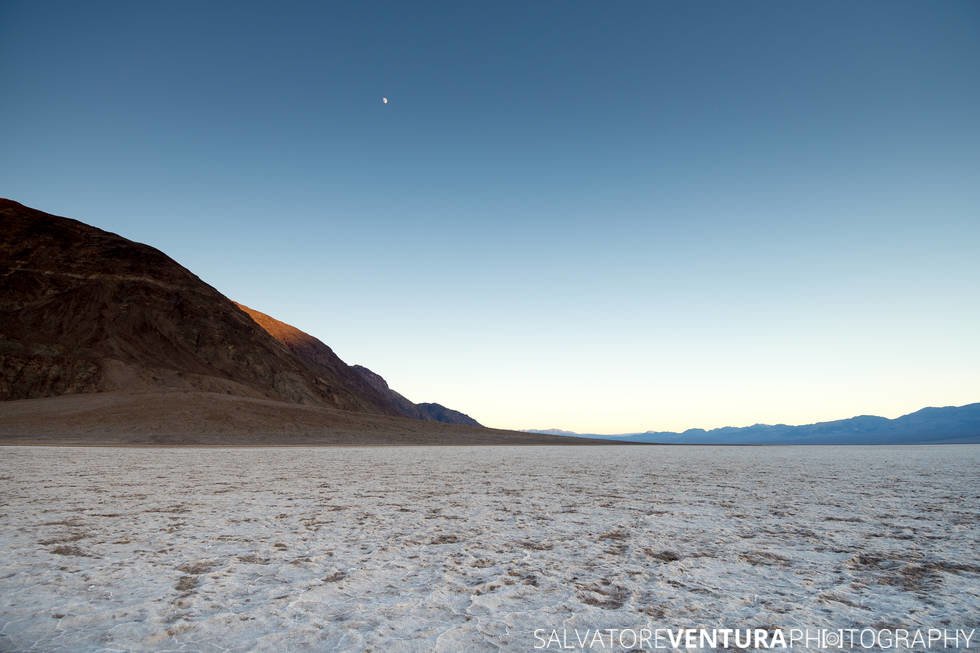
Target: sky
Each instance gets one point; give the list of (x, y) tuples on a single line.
[(601, 217)]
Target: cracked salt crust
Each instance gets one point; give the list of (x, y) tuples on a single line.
[(472, 548)]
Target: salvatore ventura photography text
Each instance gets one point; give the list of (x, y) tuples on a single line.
[(847, 639)]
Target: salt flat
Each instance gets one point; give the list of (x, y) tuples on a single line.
[(453, 548)]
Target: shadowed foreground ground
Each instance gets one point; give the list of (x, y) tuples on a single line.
[(189, 418)]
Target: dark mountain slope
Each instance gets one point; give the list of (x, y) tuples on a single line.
[(426, 411), (439, 413), (84, 310), (377, 382), (323, 362)]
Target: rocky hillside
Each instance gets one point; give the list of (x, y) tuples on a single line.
[(83, 310), (426, 411), (439, 413), (322, 361)]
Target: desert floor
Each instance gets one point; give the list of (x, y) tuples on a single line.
[(473, 548)]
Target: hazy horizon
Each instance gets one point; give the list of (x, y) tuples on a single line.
[(697, 428), (603, 219)]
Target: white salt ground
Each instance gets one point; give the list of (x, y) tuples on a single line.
[(472, 549)]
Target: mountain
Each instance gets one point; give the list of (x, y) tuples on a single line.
[(439, 413), (425, 411), (929, 425), (558, 432), (86, 311), (322, 362)]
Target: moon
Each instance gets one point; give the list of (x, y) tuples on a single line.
[(384, 100)]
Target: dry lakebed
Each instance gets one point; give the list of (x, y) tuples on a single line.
[(474, 548)]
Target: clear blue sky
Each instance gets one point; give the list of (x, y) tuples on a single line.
[(597, 216)]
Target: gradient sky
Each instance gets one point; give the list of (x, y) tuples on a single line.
[(604, 217)]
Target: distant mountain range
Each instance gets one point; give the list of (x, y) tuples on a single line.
[(952, 424)]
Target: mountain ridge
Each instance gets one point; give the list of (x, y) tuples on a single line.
[(84, 310), (927, 425), (319, 357)]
